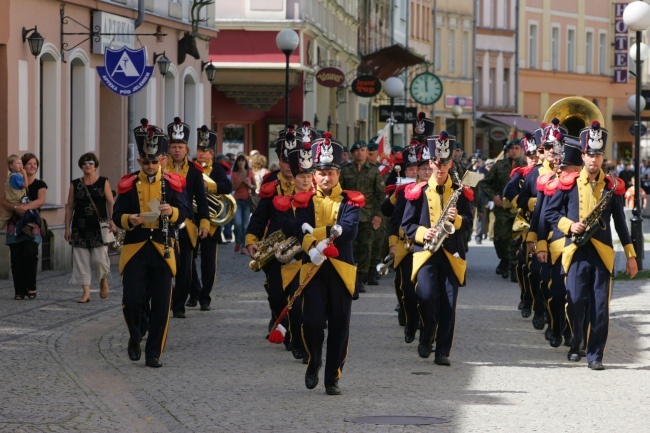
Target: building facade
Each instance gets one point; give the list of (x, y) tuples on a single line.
[(568, 49), (56, 106)]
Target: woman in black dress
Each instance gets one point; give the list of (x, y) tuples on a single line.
[(82, 229), (23, 249)]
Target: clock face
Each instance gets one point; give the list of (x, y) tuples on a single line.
[(426, 88)]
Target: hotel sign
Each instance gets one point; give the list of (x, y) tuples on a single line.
[(620, 45)]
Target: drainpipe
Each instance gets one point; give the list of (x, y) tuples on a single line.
[(131, 150), (474, 82), (517, 57)]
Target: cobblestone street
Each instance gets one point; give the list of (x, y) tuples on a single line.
[(65, 365)]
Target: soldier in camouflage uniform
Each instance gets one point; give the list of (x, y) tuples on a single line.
[(361, 176), (493, 184), (380, 243)]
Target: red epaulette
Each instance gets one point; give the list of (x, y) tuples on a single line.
[(525, 171), (301, 200), (175, 181), (198, 166), (390, 188), (268, 173), (468, 193), (413, 191), (268, 189), (550, 187), (282, 202), (516, 170), (126, 183), (226, 166), (401, 188), (543, 180), (355, 198), (567, 180), (620, 185)]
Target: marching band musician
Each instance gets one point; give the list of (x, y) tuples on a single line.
[(416, 161), (552, 240), (437, 274), (302, 170), (520, 201), (577, 200), (179, 163), (146, 272), (327, 299), (264, 221), (200, 289)]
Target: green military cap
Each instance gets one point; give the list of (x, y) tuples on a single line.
[(358, 145), (346, 149), (372, 145)]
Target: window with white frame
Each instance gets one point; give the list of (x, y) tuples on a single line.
[(532, 46), (602, 54), (465, 54), (571, 50), (589, 53), (451, 52), (555, 48), (438, 48)]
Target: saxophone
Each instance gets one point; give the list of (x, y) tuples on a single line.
[(266, 250), (594, 221), (443, 226), (286, 250)]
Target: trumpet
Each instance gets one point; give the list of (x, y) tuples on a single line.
[(266, 250), (384, 266), (285, 251)]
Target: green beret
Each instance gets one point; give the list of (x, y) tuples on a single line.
[(372, 145), (358, 145)]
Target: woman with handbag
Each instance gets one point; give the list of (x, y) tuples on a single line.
[(88, 227), (23, 248)]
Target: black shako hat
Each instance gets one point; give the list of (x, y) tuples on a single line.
[(206, 139), (593, 139), (178, 131), (440, 147), (326, 152), (151, 143), (301, 161)]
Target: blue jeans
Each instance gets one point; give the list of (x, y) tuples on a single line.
[(242, 217)]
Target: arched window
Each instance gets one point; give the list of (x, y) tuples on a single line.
[(49, 118)]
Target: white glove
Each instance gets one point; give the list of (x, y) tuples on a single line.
[(306, 228), (321, 246), (316, 257), (490, 205)]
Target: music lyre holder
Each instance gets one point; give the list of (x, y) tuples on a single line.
[(94, 33)]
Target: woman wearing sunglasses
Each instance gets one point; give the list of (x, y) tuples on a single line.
[(90, 200)]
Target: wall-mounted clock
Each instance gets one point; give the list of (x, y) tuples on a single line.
[(426, 88)]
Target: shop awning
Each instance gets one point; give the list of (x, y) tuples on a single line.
[(520, 123), (389, 62)]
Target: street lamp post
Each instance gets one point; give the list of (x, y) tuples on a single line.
[(394, 88), (456, 111), (637, 17), (287, 41)]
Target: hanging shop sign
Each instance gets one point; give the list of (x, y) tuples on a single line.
[(125, 71), (116, 32), (330, 77), (498, 133), (366, 86), (401, 113)]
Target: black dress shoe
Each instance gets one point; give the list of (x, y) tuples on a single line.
[(538, 321), (596, 365), (583, 352), (525, 313), (311, 379), (548, 333), (401, 317), (297, 353), (134, 350), (424, 350), (505, 273), (179, 315), (573, 355), (153, 362), (191, 302), (442, 360), (499, 269), (521, 305), (409, 336), (333, 389), (555, 341), (205, 307)]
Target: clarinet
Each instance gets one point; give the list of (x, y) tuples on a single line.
[(165, 218)]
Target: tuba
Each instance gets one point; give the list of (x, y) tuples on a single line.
[(222, 207), (574, 113), (266, 250)]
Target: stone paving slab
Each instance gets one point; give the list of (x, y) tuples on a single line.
[(65, 366)]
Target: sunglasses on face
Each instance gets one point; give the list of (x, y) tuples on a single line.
[(149, 161), (91, 163)]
